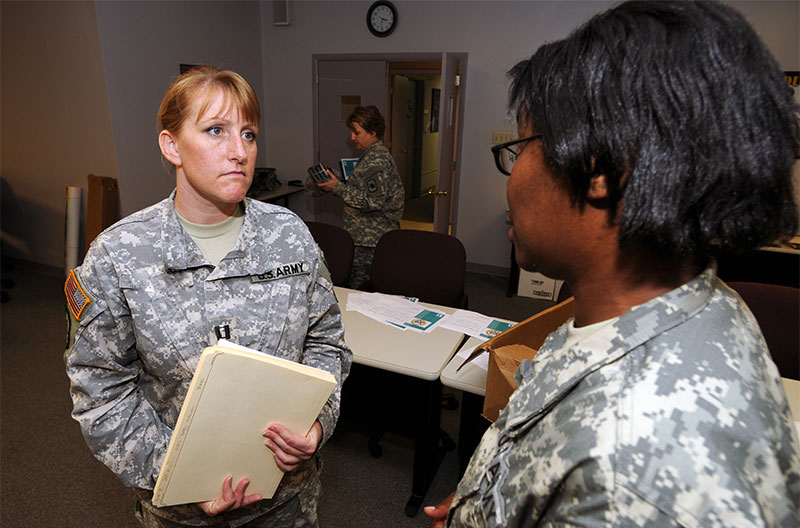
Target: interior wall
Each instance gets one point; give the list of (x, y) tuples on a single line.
[(55, 124), (495, 34), (143, 45), (81, 83)]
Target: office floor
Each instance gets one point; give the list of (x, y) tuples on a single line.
[(48, 477)]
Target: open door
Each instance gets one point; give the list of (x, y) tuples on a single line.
[(450, 118), (341, 86)]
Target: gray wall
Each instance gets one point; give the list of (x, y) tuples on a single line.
[(56, 124), (62, 118), (143, 45), (81, 84), (495, 34)]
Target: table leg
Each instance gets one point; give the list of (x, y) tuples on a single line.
[(426, 442)]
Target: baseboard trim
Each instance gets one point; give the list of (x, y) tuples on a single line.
[(44, 269), (487, 269)]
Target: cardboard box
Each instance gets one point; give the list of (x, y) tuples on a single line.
[(509, 349), (538, 286)]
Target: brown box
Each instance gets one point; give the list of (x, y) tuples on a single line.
[(507, 350)]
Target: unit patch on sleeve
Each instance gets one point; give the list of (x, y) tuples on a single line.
[(77, 298), (283, 271), (374, 186)]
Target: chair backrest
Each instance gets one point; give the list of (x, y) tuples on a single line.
[(337, 247), (777, 310), (429, 266)]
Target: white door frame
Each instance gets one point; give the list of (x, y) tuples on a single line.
[(446, 153)]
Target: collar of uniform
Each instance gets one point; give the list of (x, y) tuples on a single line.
[(375, 146), (554, 371), (251, 254), (178, 249)]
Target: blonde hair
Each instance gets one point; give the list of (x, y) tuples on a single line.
[(198, 82)]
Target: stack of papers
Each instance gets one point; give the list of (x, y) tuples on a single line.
[(405, 313), (396, 311), (475, 325), (478, 326)]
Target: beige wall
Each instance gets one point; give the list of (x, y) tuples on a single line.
[(495, 34), (81, 82), (143, 45), (81, 85), (56, 124)]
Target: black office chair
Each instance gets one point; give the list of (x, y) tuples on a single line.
[(426, 265), (429, 266), (337, 247), (777, 310)]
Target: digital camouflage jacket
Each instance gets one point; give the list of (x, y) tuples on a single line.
[(373, 196), (674, 415), (148, 303)]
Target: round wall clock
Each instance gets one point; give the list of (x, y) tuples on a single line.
[(381, 18)]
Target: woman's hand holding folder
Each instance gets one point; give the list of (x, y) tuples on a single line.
[(290, 449), (231, 499)]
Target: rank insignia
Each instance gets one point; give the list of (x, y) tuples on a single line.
[(77, 299)]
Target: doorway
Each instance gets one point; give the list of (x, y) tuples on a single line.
[(415, 90), (429, 114)]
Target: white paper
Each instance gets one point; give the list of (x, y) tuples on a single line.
[(474, 324), (393, 310), (482, 361)]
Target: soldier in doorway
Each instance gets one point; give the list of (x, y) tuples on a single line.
[(373, 196)]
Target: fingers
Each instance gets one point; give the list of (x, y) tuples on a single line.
[(294, 445), (438, 513), (231, 499)]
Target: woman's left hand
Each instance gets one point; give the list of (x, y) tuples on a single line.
[(231, 499), (289, 449), (328, 185)]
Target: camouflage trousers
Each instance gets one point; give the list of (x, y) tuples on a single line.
[(298, 512), (362, 266)]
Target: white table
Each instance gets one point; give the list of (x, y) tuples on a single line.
[(421, 358), (792, 388), (403, 351), (471, 378)]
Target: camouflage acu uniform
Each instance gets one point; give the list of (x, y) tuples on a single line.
[(152, 303), (672, 415), (373, 204)]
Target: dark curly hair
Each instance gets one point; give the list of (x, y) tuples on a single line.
[(369, 118), (687, 114)]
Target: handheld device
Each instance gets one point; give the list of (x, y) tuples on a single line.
[(319, 173)]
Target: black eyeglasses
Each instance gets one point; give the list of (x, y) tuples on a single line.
[(505, 154)]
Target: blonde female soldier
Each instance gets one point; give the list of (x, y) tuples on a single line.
[(159, 286)]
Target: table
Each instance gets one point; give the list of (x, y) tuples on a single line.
[(792, 389), (421, 357), (282, 192)]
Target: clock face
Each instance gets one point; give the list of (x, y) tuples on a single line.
[(381, 18)]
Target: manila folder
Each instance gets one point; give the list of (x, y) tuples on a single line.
[(235, 393)]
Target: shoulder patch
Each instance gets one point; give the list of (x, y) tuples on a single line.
[(77, 298), (374, 186)]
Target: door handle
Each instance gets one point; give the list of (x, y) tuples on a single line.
[(437, 193)]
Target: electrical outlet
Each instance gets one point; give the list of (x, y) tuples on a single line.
[(502, 137)]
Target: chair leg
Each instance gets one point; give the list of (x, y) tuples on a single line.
[(374, 445)]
